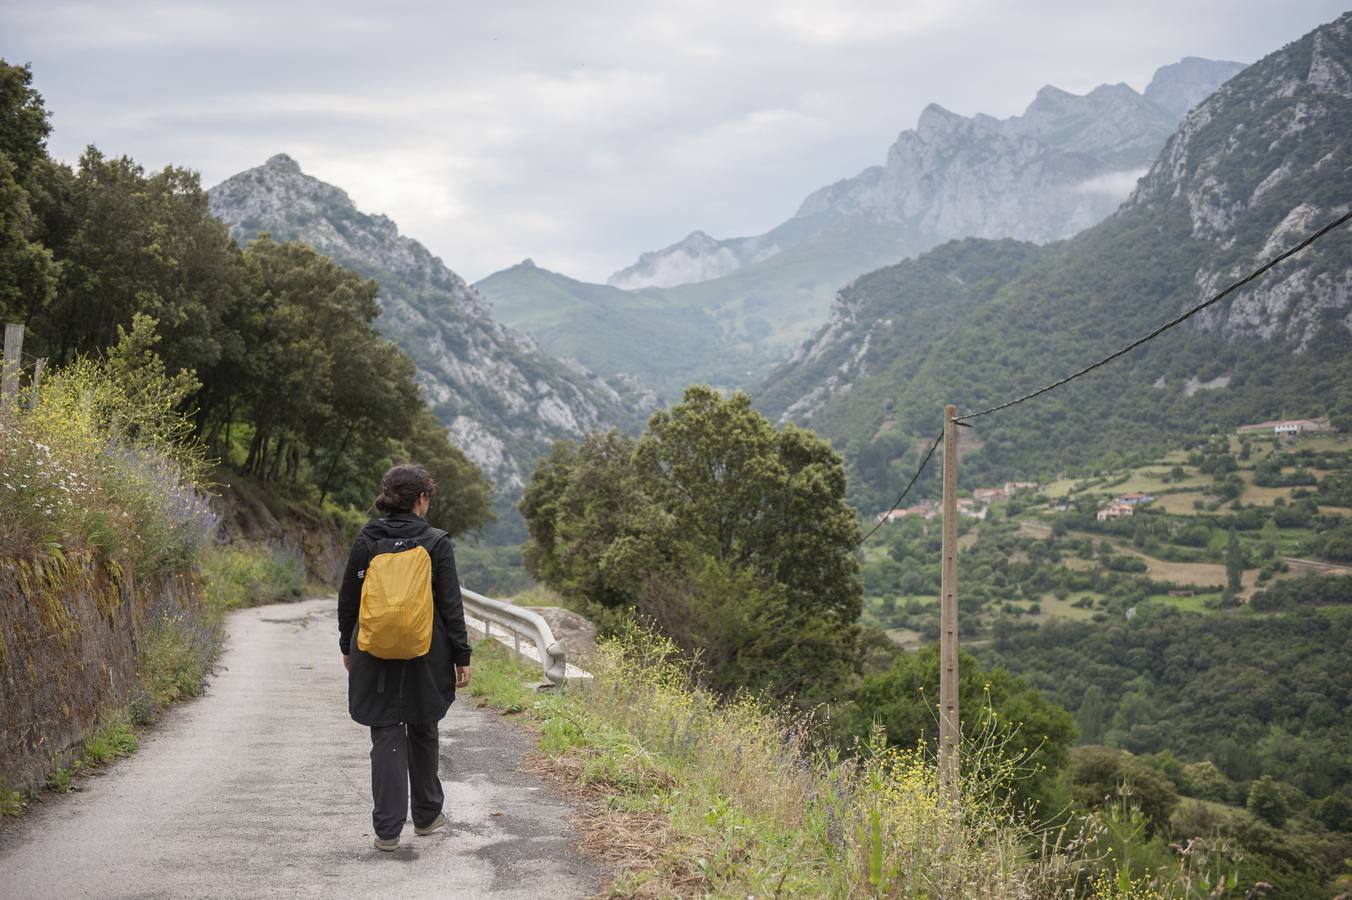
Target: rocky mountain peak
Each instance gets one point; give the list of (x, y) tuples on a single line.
[(696, 257), (935, 121), (1255, 167), (282, 163), (1064, 164), (1180, 86), (503, 400)]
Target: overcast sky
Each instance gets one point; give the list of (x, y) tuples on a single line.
[(581, 133)]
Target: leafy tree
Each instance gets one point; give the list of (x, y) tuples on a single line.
[(1267, 802), (143, 243), (1203, 780), (1022, 724), (1101, 776), (1092, 716), (712, 516), (27, 270)]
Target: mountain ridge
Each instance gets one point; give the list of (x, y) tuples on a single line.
[(1114, 123), (1251, 169), (503, 399), (1062, 165)]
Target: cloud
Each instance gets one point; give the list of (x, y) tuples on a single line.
[(579, 134), (1116, 185)]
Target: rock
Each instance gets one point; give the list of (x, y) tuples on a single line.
[(503, 400), (1063, 165)]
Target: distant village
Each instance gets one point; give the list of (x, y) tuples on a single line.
[(978, 505)]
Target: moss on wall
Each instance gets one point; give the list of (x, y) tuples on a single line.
[(70, 629)]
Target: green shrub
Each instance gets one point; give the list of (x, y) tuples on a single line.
[(62, 779), (176, 653), (249, 574), (105, 462), (11, 802)]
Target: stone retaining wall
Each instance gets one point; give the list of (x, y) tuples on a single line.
[(70, 628)]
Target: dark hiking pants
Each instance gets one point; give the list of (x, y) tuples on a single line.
[(404, 764)]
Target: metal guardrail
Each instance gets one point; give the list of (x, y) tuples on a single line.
[(522, 624)]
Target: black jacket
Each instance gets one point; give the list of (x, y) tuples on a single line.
[(390, 691)]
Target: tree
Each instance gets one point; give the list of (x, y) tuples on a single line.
[(1234, 563), (731, 536), (1271, 539), (27, 269), (1023, 725), (1266, 801), (1101, 776), (1205, 781), (1092, 716)]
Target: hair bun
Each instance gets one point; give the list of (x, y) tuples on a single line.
[(401, 487)]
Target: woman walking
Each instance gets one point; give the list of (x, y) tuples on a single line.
[(401, 628)]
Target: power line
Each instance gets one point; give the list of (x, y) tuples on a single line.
[(910, 484), (967, 417)]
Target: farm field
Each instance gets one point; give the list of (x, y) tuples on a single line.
[(1205, 498)]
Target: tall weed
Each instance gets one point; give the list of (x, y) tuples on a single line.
[(98, 465), (756, 805)]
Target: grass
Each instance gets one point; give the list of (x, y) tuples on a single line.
[(113, 739), (501, 680), (906, 638), (539, 595), (176, 656), (249, 574), (1052, 608), (685, 795), (12, 803), (61, 780), (1195, 603)]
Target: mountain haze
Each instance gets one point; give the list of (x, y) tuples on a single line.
[(1066, 163), (503, 399), (1249, 172), (1040, 176)]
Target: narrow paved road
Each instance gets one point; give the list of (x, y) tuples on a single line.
[(262, 788)]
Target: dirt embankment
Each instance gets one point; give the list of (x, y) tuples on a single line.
[(253, 512)]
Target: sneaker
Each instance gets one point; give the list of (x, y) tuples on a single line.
[(435, 825), (389, 845)]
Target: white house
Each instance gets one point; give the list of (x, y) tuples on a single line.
[(1288, 427), (1115, 510)]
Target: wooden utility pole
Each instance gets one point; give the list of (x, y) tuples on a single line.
[(949, 731), (9, 370)]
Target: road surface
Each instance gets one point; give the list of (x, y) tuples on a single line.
[(261, 788)]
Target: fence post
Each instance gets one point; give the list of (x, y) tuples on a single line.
[(37, 382), (949, 729), (9, 371)]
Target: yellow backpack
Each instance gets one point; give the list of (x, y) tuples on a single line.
[(396, 601)]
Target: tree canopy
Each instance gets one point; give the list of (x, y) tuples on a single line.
[(291, 383), (730, 535)]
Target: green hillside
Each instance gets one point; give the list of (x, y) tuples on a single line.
[(727, 331), (611, 331)]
